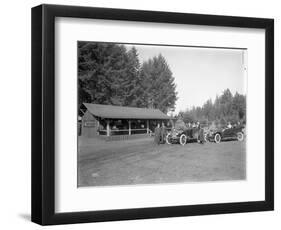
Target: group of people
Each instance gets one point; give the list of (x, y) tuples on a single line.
[(160, 134), (197, 125), (229, 125), (193, 125)]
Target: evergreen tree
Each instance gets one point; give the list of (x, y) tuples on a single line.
[(226, 103), (132, 84), (157, 84), (106, 73), (239, 105), (208, 110), (110, 74), (226, 108)]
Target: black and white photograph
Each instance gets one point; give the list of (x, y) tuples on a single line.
[(154, 114), (141, 114)]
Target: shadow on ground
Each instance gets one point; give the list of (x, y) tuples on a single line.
[(25, 216)]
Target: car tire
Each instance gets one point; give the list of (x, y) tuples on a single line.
[(240, 136), (183, 139), (168, 141), (217, 138)]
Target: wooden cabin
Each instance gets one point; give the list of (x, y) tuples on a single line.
[(110, 120)]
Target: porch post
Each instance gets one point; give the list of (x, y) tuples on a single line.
[(107, 128), (147, 126), (98, 127), (129, 127)]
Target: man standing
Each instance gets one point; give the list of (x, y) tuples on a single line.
[(157, 133), (163, 133), (201, 139), (189, 129), (229, 126)]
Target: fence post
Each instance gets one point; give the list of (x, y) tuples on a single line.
[(107, 128)]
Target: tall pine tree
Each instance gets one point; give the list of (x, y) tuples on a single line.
[(157, 83), (106, 73), (226, 108), (110, 74)]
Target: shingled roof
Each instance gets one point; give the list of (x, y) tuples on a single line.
[(122, 112)]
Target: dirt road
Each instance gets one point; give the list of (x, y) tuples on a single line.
[(102, 163)]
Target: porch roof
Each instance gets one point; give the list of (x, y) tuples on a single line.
[(123, 112)]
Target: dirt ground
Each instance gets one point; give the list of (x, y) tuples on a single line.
[(140, 161)]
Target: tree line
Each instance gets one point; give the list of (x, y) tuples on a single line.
[(225, 108), (112, 74)]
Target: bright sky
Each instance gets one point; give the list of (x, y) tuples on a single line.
[(200, 73)]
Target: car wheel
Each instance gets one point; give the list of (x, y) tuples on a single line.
[(217, 138), (183, 139), (240, 136), (168, 139)]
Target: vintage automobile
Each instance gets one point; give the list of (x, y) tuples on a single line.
[(183, 136), (218, 135)]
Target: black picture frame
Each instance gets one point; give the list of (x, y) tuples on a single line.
[(43, 114)]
